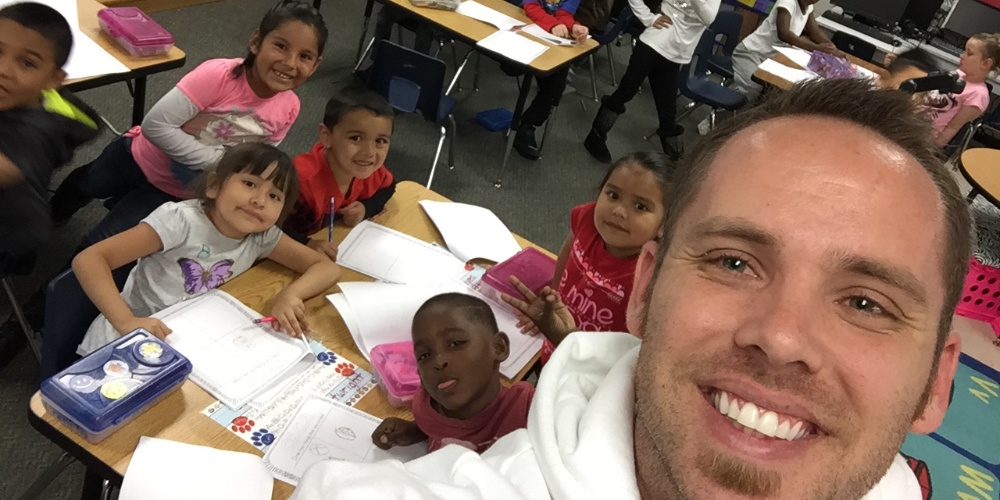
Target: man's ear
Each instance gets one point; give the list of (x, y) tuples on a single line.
[(501, 346), (930, 418), (644, 269)]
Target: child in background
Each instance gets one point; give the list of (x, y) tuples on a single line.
[(187, 248), (790, 22), (596, 265), (459, 350), (669, 40), (39, 125), (556, 17), (950, 112), (344, 171), (221, 103)]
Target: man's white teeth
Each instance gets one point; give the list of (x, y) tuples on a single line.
[(749, 418)]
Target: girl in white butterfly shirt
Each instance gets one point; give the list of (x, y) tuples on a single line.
[(187, 248)]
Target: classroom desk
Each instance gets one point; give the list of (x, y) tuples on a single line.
[(471, 31), (178, 417), (981, 167), (768, 78), (139, 68)]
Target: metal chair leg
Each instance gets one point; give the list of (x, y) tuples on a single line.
[(593, 77), (451, 141), (548, 126), (611, 64), (437, 155), (364, 54), (47, 476), (475, 78), (454, 60), (29, 333)]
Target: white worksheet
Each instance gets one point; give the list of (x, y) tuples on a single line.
[(478, 11), (389, 255), (233, 358), (793, 75), (513, 46), (471, 231), (324, 429)]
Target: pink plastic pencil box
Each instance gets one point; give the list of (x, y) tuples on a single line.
[(397, 372), (532, 267), (135, 31)]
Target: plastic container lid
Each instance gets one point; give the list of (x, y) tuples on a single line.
[(532, 267), (132, 24), (397, 368)]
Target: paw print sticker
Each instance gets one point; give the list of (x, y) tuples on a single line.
[(261, 438), (242, 424), (328, 358), (345, 369)]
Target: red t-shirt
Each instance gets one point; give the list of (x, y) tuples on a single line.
[(595, 285), (317, 185), (507, 413)]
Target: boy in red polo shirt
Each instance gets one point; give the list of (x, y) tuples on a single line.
[(343, 175)]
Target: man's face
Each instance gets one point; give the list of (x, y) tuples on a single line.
[(800, 295)]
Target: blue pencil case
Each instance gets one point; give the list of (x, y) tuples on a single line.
[(105, 390)]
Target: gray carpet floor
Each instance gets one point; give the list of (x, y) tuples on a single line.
[(534, 201)]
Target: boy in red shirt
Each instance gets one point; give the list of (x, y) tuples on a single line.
[(459, 349), (343, 175)]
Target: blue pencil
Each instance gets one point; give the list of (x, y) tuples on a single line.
[(329, 233)]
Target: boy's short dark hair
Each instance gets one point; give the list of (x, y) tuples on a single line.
[(914, 58), (45, 20), (475, 309), (354, 98)]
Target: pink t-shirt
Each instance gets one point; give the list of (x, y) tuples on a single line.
[(230, 114), (943, 107), (507, 413), (595, 285)]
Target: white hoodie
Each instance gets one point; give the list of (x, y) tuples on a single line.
[(578, 444)]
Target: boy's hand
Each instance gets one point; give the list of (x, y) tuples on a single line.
[(327, 248), (151, 325), (397, 432), (353, 213), (662, 21), (546, 310), (580, 33), (290, 313), (560, 30)]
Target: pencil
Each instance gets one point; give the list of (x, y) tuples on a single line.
[(329, 233)]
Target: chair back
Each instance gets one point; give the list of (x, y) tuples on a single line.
[(411, 81), (698, 67), (615, 27), (68, 314), (727, 26), (854, 46)]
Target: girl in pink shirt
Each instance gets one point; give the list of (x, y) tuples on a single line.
[(221, 103), (950, 112), (596, 265)]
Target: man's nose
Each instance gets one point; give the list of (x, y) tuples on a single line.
[(785, 325)]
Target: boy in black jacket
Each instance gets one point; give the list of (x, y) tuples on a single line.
[(39, 126)]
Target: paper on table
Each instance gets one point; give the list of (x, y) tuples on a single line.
[(478, 11), (165, 470), (87, 58), (471, 231), (513, 46), (392, 256), (537, 32), (791, 74), (233, 358), (384, 314), (324, 429), (340, 302), (797, 55)]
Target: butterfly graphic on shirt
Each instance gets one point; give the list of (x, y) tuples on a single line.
[(197, 278)]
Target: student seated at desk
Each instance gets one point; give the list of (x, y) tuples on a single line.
[(788, 20), (343, 175), (39, 126), (188, 248), (459, 349), (950, 112)]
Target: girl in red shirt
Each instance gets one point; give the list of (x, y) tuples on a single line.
[(596, 265)]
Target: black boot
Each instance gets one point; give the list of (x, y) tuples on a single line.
[(673, 145), (597, 140), (524, 142)]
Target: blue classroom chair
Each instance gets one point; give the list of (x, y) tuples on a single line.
[(727, 26), (695, 84)]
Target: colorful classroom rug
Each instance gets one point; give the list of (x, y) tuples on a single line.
[(961, 460)]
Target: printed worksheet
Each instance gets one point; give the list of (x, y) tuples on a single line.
[(233, 358), (324, 429), (389, 255)]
